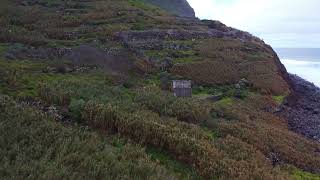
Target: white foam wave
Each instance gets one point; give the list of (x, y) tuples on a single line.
[(300, 62), (309, 70)]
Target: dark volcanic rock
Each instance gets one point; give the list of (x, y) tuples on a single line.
[(302, 108), (152, 39)]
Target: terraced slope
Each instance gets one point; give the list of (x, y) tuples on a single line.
[(95, 75), (50, 27)]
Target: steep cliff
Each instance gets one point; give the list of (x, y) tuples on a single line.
[(178, 7)]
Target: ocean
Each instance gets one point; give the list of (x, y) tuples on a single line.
[(304, 62)]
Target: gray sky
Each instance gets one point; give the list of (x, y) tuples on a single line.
[(281, 23)]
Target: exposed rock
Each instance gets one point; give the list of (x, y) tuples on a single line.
[(10, 56), (215, 98), (237, 86), (275, 158), (302, 108), (67, 68), (217, 25), (36, 53), (156, 35), (24, 3), (244, 83), (145, 44), (54, 112), (166, 64), (176, 46)]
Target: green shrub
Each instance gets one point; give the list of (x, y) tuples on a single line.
[(279, 99), (301, 175), (128, 83), (76, 106)]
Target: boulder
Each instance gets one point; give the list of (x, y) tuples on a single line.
[(215, 98)]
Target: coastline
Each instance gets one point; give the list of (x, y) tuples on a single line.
[(302, 108), (308, 69)]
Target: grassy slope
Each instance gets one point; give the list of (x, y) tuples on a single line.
[(34, 146), (84, 87), (176, 7), (140, 112)]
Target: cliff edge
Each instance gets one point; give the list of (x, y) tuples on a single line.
[(177, 7)]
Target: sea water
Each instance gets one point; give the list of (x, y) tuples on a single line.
[(304, 62)]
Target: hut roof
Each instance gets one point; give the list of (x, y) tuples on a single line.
[(181, 84)]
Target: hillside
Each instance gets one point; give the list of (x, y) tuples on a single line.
[(85, 93), (177, 7)]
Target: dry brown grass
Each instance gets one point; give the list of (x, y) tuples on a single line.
[(187, 142), (227, 61), (270, 134), (208, 72)]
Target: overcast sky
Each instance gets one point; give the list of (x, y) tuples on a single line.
[(281, 23)]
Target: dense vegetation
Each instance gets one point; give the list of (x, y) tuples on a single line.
[(34, 146), (78, 118)]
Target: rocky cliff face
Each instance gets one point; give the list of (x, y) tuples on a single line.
[(178, 7), (301, 108)]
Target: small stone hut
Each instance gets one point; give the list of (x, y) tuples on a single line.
[(182, 88)]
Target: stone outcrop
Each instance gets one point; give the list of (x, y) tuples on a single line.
[(36, 53), (302, 108), (173, 34)]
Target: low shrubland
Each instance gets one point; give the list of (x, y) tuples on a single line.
[(155, 118), (226, 61), (34, 146), (207, 72), (252, 123), (45, 22), (187, 142), (164, 105)]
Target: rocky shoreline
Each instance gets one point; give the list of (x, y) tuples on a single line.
[(302, 108)]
